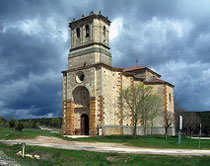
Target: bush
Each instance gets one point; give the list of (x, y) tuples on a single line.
[(19, 126), (6, 124), (55, 122), (2, 123), (11, 122)]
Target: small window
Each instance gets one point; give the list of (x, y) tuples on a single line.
[(78, 32), (80, 77), (104, 32), (170, 97), (87, 30)]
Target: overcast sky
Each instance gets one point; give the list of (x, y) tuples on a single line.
[(170, 37)]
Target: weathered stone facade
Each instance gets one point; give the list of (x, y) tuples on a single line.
[(92, 87)]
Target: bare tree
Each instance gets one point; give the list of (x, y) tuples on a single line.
[(150, 109), (191, 122), (168, 121), (154, 110), (140, 100), (178, 111)]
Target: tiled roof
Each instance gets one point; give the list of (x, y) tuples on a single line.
[(158, 81), (134, 68)]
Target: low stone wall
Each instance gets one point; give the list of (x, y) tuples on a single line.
[(127, 130)]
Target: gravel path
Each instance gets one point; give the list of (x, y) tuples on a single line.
[(54, 142), (7, 161)]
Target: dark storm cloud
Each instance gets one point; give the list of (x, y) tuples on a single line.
[(29, 68), (171, 37), (31, 59)]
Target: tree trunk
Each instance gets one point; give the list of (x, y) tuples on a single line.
[(152, 128), (135, 129), (145, 128), (166, 132)]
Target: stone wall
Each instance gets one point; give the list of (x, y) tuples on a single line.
[(111, 93), (96, 32), (150, 75), (127, 82), (89, 81), (90, 55), (158, 89)]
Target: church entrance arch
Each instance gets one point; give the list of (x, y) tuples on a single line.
[(82, 108), (84, 124)]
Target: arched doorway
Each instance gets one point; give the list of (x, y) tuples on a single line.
[(82, 110), (84, 124)]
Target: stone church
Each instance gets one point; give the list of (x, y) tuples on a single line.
[(92, 86)]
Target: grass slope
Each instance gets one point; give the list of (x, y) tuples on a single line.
[(7, 133)]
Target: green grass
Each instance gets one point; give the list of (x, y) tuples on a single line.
[(7, 133), (62, 157), (156, 141), (141, 141)]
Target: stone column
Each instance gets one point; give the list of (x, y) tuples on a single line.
[(64, 118), (92, 117), (70, 118)]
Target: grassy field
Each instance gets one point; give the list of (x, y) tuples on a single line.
[(7, 133), (156, 141), (58, 157), (141, 141)]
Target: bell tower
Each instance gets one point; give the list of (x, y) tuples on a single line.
[(89, 41)]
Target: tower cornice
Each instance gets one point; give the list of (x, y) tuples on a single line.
[(88, 45), (88, 18)]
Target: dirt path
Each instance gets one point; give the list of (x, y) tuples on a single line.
[(54, 142)]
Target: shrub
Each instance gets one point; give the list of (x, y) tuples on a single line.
[(19, 126)]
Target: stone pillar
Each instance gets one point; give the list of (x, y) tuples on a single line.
[(92, 117), (64, 118), (121, 102), (70, 118)]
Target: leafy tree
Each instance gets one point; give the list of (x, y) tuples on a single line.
[(26, 124), (55, 122), (11, 121), (139, 100), (37, 125), (2, 121), (6, 124), (16, 123), (19, 125)]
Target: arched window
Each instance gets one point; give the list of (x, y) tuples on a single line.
[(104, 32), (78, 33), (87, 30), (170, 97)]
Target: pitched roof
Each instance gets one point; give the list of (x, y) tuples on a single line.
[(134, 68), (158, 81), (137, 68)]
